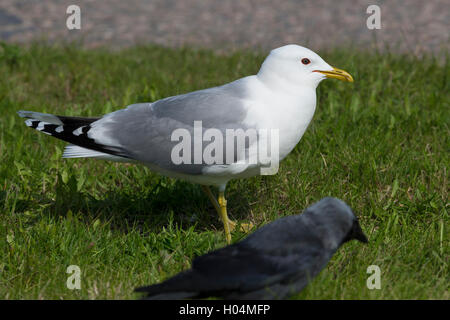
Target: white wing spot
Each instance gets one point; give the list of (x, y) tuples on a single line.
[(29, 122), (40, 126), (78, 131), (59, 129)]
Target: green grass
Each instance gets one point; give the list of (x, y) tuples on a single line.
[(381, 144)]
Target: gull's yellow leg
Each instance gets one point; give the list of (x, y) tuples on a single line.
[(221, 208), (224, 216), (245, 227)]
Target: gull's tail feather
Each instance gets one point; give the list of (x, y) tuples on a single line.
[(73, 130), (73, 151)]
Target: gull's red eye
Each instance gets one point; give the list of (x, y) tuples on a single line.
[(306, 61)]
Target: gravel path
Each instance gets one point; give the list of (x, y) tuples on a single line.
[(409, 26)]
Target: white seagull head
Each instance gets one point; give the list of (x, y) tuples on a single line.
[(295, 65)]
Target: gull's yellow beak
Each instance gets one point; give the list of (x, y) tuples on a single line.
[(337, 74)]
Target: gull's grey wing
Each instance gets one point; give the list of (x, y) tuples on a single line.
[(218, 107), (143, 131)]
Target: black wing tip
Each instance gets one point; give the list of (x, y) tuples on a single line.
[(74, 133)]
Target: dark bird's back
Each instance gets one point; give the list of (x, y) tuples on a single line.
[(274, 262)]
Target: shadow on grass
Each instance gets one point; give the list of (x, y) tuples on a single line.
[(19, 205), (182, 203)]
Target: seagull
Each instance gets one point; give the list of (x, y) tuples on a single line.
[(275, 262), (209, 136)]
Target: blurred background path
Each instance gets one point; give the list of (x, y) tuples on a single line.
[(409, 26)]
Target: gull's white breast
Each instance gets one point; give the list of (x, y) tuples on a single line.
[(289, 113)]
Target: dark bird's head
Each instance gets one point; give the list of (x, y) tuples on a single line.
[(338, 220)]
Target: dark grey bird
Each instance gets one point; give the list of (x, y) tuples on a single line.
[(275, 262)]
